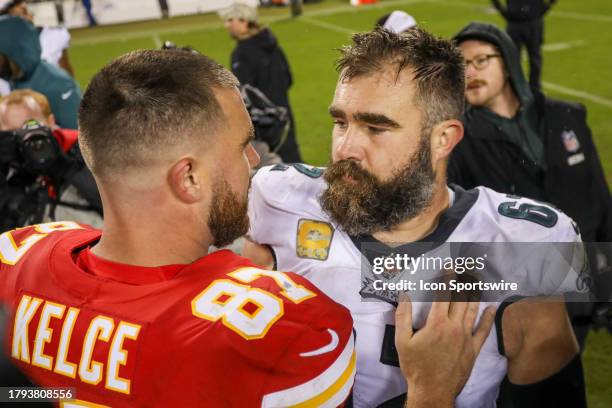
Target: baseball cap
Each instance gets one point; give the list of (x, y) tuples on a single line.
[(238, 10), (5, 5), (399, 21)]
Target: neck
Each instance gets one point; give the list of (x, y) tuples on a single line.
[(505, 104), (251, 32), (135, 236), (421, 225)]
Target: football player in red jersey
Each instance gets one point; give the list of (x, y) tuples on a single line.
[(139, 314)]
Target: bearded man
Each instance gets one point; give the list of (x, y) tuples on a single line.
[(396, 113)]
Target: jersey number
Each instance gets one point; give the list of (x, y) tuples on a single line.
[(11, 251), (248, 311), (535, 213), (312, 172)]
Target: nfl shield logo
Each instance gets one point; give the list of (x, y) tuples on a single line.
[(570, 141)]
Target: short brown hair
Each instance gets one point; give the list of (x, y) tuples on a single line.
[(25, 97), (147, 101), (437, 64)]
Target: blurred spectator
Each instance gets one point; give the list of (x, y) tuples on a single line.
[(525, 20), (22, 105), (74, 195), (54, 41), (397, 22), (90, 16), (21, 65), (259, 61), (163, 6), (523, 143), (518, 142)]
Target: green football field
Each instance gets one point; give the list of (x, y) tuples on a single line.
[(577, 61)]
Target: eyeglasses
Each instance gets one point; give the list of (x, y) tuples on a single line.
[(481, 61)]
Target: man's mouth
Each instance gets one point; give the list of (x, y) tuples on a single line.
[(475, 85)]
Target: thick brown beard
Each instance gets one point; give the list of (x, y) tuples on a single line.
[(367, 205), (228, 218)]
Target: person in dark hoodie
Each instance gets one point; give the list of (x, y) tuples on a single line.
[(22, 67), (526, 27), (521, 143), (258, 60)]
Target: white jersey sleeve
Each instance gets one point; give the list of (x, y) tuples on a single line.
[(53, 42), (278, 194), (542, 245)]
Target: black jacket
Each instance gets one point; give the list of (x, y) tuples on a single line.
[(260, 62), (523, 10), (570, 177), (580, 190)]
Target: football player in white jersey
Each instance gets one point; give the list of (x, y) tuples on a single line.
[(396, 113)]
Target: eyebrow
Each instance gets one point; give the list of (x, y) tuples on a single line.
[(367, 117), (336, 113), (376, 119)]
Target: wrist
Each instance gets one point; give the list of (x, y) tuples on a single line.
[(421, 396)]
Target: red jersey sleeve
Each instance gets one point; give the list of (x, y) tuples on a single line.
[(317, 367)]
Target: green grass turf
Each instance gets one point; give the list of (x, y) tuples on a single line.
[(310, 42)]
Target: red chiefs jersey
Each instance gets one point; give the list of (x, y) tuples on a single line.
[(219, 332)]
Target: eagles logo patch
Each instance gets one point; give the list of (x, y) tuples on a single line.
[(314, 239)]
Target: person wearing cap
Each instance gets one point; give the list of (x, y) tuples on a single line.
[(523, 143), (22, 66), (54, 41), (525, 20), (258, 60), (397, 22)]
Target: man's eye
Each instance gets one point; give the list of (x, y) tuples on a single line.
[(480, 61), (339, 123), (373, 129)]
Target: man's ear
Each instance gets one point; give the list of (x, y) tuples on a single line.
[(184, 182), (445, 136)]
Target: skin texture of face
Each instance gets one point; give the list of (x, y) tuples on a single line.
[(483, 87), (228, 217), (381, 172), (13, 116), (237, 28)]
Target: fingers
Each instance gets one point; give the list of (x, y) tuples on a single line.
[(458, 310), (441, 302), (471, 314), (484, 327), (403, 321)]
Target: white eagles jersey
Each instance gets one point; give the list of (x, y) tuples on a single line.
[(286, 215)]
